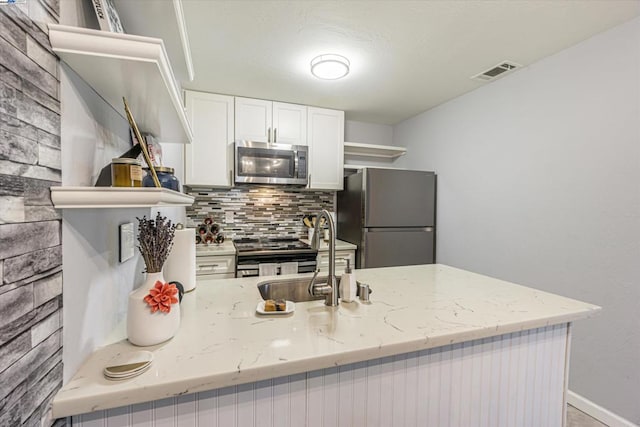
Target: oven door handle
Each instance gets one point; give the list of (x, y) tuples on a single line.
[(248, 273)]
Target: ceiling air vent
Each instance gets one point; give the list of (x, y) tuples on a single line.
[(496, 71)]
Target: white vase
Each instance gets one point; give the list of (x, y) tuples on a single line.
[(144, 327)]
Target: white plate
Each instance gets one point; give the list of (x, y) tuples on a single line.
[(289, 308), (128, 365), (126, 377), (126, 373)]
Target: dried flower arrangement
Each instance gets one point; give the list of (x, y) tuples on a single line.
[(156, 240)]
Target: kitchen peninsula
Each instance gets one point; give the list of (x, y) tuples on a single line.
[(437, 346)]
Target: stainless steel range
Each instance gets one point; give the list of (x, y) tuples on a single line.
[(279, 256)]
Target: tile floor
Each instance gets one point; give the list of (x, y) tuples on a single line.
[(577, 418)]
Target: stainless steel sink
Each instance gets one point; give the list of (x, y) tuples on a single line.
[(296, 289)]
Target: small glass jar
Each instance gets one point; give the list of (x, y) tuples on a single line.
[(126, 173), (165, 176)]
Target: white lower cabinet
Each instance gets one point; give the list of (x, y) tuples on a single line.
[(216, 267), (341, 261), (325, 137), (208, 160)]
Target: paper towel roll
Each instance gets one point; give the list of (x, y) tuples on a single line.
[(181, 262)]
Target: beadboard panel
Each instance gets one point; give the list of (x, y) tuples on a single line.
[(510, 380)]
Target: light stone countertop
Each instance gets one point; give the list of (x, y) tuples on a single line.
[(222, 341), (341, 245), (225, 248)]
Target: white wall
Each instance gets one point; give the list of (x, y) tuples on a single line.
[(539, 183), (173, 156), (95, 284), (368, 133)]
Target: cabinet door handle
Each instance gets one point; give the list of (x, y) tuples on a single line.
[(268, 134), (275, 135)]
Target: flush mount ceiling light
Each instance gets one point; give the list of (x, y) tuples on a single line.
[(330, 66)]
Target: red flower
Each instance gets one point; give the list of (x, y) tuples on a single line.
[(161, 296)]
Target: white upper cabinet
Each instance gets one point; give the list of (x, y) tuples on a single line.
[(325, 137), (209, 159), (254, 119), (268, 121), (289, 123)]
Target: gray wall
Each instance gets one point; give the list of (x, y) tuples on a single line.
[(539, 183), (30, 251)]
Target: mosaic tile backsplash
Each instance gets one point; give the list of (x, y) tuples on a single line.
[(258, 211)]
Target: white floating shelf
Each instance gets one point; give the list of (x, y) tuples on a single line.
[(373, 150), (135, 67), (116, 197), (164, 20), (358, 167)]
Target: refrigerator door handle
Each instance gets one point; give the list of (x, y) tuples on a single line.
[(395, 229), (398, 246)]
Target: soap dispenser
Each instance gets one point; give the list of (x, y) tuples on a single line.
[(348, 287)]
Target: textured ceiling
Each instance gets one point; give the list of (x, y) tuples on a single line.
[(406, 56)]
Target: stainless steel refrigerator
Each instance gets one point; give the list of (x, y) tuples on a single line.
[(390, 215)]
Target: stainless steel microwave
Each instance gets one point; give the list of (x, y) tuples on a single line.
[(270, 163)]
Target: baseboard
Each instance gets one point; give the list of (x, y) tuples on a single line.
[(601, 414)]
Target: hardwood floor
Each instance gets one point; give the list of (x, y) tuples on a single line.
[(577, 418)]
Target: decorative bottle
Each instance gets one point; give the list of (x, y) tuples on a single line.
[(348, 287)]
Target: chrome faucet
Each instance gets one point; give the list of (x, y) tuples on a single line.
[(329, 289)]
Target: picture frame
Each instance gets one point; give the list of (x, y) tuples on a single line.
[(107, 15), (141, 142), (155, 150)]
